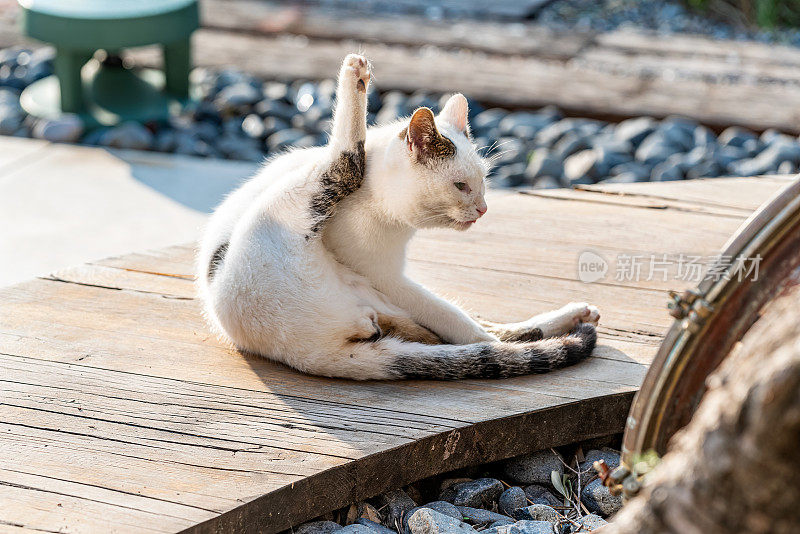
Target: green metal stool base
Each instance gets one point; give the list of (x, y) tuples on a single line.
[(108, 94), (112, 94)]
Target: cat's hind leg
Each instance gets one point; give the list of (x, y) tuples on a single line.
[(406, 329), (550, 324), (344, 172)]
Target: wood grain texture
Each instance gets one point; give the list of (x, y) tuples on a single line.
[(121, 412), (612, 76)]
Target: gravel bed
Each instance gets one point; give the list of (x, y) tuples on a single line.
[(664, 16), (517, 496), (243, 118)]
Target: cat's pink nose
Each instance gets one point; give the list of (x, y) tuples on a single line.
[(481, 208)]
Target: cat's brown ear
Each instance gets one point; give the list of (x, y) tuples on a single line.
[(424, 141), (455, 112)]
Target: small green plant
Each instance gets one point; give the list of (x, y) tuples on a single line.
[(764, 13)]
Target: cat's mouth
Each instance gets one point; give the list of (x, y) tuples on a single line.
[(463, 225)]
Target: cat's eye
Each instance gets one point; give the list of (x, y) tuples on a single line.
[(461, 186)]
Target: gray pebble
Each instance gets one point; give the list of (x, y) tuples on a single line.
[(512, 499), (237, 97), (276, 91), (667, 171), (634, 131), (375, 528), (275, 108), (544, 163), (591, 522), (427, 521), (655, 149), (488, 119), (787, 167), (355, 528), (534, 468), (476, 493), (752, 147), (395, 504), (552, 134), (166, 141), (637, 168), (11, 117), (253, 126), (614, 149), (538, 512), (479, 516), (674, 133), (205, 130), (768, 160), (571, 143), (130, 135), (705, 169), (510, 175), (598, 499), (511, 150), (736, 136), (318, 527), (538, 494), (704, 137), (522, 121), (284, 139), (529, 527), (581, 165), (726, 155), (389, 112), (67, 128), (443, 507)]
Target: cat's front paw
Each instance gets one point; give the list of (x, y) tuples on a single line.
[(581, 312), (357, 68)]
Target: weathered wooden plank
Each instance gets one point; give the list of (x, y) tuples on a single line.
[(504, 38), (734, 193), (509, 81), (110, 367), (729, 51), (596, 196), (716, 71)]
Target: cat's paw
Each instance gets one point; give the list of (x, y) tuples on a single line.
[(581, 312), (366, 327), (357, 69)]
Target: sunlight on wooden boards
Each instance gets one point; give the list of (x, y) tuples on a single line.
[(121, 412)]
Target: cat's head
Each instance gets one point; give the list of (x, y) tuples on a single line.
[(446, 174)]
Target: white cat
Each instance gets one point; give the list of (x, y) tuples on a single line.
[(304, 263)]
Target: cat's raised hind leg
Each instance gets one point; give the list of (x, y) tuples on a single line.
[(550, 324), (344, 172)]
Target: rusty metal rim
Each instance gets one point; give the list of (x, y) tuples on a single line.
[(760, 234)]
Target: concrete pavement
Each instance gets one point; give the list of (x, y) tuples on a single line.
[(64, 204)]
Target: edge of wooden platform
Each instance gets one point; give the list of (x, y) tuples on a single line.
[(483, 442)]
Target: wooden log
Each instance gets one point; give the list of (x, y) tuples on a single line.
[(734, 468), (502, 38), (505, 81)]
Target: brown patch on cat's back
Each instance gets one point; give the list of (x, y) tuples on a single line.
[(344, 175)]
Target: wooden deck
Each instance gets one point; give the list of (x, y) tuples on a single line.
[(121, 413)]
